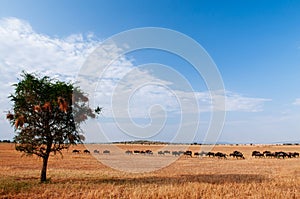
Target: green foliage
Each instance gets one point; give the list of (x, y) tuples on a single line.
[(47, 114)]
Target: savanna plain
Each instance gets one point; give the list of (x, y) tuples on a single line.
[(84, 176)]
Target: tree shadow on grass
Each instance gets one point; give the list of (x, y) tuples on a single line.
[(201, 178)]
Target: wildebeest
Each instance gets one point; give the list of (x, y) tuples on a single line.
[(175, 153), (148, 152), (136, 152), (106, 152), (197, 154), (202, 153), (257, 154), (76, 151), (237, 154), (295, 154), (270, 155), (266, 152), (220, 155), (281, 154), (210, 154), (96, 151), (167, 152), (188, 153), (160, 153), (86, 151)]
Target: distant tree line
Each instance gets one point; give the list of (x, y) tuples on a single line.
[(6, 141)]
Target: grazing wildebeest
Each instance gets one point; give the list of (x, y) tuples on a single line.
[(76, 151), (292, 155), (167, 152), (237, 154), (281, 154), (106, 152), (128, 152), (175, 153), (220, 155), (257, 154), (210, 154), (143, 152), (200, 154), (270, 155), (96, 151), (266, 152), (188, 153), (136, 152), (86, 151), (295, 154), (197, 154), (148, 152)]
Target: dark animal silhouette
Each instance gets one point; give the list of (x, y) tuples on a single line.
[(197, 154), (257, 154), (210, 154), (266, 152), (188, 153), (86, 151), (76, 151), (148, 152), (106, 152), (281, 154), (136, 152), (295, 154), (220, 155), (167, 152), (237, 154), (269, 155)]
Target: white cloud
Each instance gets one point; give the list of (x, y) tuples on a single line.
[(237, 102), (21, 48)]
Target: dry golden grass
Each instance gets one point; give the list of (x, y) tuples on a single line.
[(82, 176)]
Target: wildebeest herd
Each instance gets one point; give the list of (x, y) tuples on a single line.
[(277, 154), (88, 152), (188, 153)]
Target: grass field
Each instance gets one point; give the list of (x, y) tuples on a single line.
[(83, 176)]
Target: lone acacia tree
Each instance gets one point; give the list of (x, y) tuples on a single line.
[(46, 116)]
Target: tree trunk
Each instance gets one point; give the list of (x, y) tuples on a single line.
[(47, 152), (44, 169)]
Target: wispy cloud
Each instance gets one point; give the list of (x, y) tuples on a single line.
[(238, 102), (297, 102)]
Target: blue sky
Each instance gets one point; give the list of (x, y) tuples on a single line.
[(255, 45)]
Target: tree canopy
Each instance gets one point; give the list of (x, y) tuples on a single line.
[(46, 115)]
